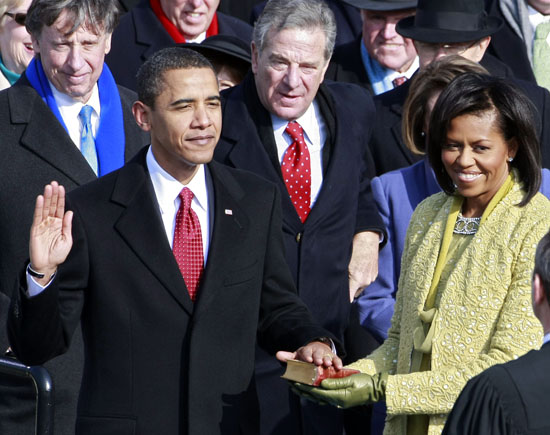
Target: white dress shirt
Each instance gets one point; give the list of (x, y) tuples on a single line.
[(70, 108), (167, 190), (535, 18), (315, 135)]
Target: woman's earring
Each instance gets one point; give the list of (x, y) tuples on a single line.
[(510, 159)]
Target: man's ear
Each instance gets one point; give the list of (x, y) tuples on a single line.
[(142, 114), (254, 57), (483, 44), (539, 295)]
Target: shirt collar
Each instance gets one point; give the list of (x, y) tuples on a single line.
[(310, 121), (535, 17), (69, 106), (546, 338), (167, 188), (381, 78)]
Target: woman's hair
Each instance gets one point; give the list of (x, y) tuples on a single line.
[(432, 79), (477, 94), (7, 6)]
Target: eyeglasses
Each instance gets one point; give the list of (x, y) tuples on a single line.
[(448, 49), (19, 18)]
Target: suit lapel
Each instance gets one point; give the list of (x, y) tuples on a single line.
[(149, 32), (230, 223), (44, 135), (255, 149), (397, 108), (141, 228)]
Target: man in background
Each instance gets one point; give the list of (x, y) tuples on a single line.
[(310, 139), (380, 59), (523, 42), (155, 24), (66, 120)]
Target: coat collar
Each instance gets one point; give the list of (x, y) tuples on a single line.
[(141, 227), (259, 153), (149, 31), (55, 147)]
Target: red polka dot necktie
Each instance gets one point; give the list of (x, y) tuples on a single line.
[(398, 81), (187, 246), (296, 169)]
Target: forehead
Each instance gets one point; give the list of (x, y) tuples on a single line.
[(295, 43), (395, 15), (189, 83), (64, 27)]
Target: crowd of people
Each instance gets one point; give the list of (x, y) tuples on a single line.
[(196, 191)]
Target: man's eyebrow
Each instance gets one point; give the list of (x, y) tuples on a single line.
[(192, 100), (182, 101)]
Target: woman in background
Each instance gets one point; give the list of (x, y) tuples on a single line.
[(15, 43)]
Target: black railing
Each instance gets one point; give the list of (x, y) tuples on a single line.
[(44, 391)]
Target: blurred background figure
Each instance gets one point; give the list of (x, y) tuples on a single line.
[(229, 55), (155, 24), (463, 302), (241, 9), (380, 58), (15, 42), (523, 42)]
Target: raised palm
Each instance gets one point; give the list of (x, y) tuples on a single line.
[(50, 238)]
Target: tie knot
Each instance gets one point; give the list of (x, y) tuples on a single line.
[(186, 197), (86, 114), (398, 81), (543, 29), (295, 131)]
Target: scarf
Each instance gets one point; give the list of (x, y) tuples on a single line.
[(172, 30), (10, 75), (110, 139)]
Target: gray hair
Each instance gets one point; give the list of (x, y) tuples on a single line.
[(100, 16), (150, 76), (6, 6), (295, 14)]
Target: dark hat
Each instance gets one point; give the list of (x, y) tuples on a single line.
[(441, 21), (382, 5), (222, 44)]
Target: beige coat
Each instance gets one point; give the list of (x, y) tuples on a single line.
[(484, 311)]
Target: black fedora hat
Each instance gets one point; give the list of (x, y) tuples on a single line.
[(382, 5), (441, 21), (222, 45)]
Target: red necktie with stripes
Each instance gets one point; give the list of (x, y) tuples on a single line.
[(187, 246), (296, 169)]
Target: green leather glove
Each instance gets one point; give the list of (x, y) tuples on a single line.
[(354, 390)]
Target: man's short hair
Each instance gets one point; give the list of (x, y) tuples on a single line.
[(542, 264), (279, 15), (150, 76), (101, 16)]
